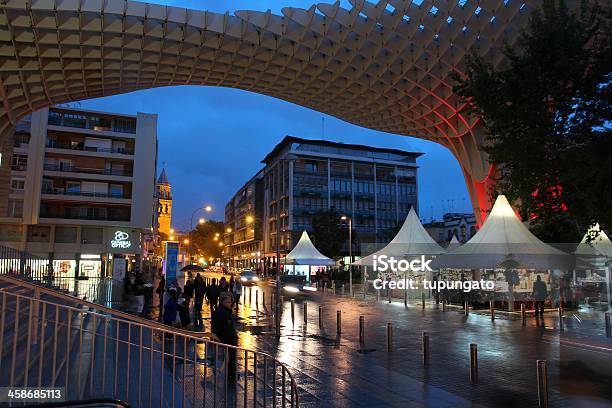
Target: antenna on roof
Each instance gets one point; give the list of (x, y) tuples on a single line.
[(323, 127)]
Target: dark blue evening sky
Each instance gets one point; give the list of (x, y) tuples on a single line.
[(213, 139)]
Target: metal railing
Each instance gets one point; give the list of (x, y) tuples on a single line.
[(89, 170), (95, 352)]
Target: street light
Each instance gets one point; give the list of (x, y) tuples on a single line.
[(350, 223), (249, 219), (206, 208)]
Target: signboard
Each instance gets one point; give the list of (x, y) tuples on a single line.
[(122, 241), (119, 268), (171, 261)]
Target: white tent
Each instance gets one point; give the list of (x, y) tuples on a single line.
[(411, 240), (597, 252), (504, 241), (453, 244), (305, 253)]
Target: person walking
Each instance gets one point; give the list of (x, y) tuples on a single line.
[(212, 294), (223, 285), (188, 292), (539, 295), (223, 327), (161, 288), (199, 289), (237, 291), (139, 289), (128, 292), (171, 307)]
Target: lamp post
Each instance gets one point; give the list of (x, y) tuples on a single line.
[(350, 223), (206, 208)]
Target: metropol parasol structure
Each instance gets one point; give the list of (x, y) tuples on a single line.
[(384, 66)]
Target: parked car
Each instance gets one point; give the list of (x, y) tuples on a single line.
[(249, 277), (295, 285)]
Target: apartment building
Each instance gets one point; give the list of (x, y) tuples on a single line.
[(375, 187), (81, 189)]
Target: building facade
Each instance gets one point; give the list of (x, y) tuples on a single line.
[(244, 216), (461, 225), (375, 187), (81, 190)]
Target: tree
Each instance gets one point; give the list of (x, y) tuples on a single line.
[(328, 234), (203, 239), (547, 113)]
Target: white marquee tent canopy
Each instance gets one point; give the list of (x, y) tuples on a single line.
[(305, 253), (504, 241), (411, 240), (599, 245)]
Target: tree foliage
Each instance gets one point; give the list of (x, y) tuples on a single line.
[(328, 234), (547, 113), (203, 239)]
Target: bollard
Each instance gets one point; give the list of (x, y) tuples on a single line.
[(324, 286), (378, 295), (321, 316), (542, 383), (492, 309), (523, 315), (444, 305), (361, 331), (560, 311), (466, 308), (263, 299), (389, 337), (389, 293), (342, 291), (405, 297), (425, 348), (608, 324), (473, 363), (338, 323), (305, 313), (256, 299), (292, 310), (250, 291), (423, 300)]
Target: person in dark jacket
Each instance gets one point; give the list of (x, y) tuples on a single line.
[(161, 288), (222, 326), (171, 307), (223, 285), (188, 292), (212, 294), (199, 288), (539, 295)]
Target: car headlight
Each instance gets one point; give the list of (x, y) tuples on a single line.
[(243, 279), (291, 289), (255, 279), (309, 288)]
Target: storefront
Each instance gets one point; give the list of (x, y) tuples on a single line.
[(123, 247)]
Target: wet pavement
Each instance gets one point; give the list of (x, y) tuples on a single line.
[(342, 372)]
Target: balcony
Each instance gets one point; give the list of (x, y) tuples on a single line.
[(62, 191), (75, 169), (19, 167), (76, 214), (80, 147)]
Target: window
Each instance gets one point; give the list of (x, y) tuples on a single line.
[(65, 235), (11, 232), (90, 235), (73, 187), (38, 233), (115, 190), (15, 208), (19, 162), (17, 184), (311, 166)]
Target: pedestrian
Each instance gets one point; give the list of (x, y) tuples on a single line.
[(183, 312), (161, 288), (212, 294), (237, 292), (231, 285), (188, 291), (138, 288), (223, 327), (539, 295), (223, 285), (199, 289), (128, 292), (171, 307)]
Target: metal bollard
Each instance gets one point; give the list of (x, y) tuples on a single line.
[(466, 308), (321, 316), (560, 311), (342, 291), (473, 363), (405, 297), (250, 291), (444, 305), (256, 299), (607, 318), (338, 323), (523, 314), (423, 300), (378, 295), (361, 331), (425, 348), (389, 293), (492, 309), (292, 310), (542, 383), (389, 336), (305, 313)]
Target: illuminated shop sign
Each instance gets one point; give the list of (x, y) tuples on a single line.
[(121, 240)]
